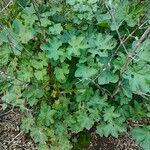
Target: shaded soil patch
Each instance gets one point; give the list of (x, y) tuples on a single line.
[(123, 142)]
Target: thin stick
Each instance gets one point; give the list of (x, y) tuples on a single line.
[(12, 44), (15, 137), (5, 113), (37, 13), (141, 39), (9, 76), (114, 20), (38, 16), (6, 6), (130, 35), (129, 59), (103, 90), (3, 146)]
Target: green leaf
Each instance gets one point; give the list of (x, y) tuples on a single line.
[(5, 52), (3, 36), (36, 64), (84, 94), (56, 29), (40, 62), (109, 114), (33, 95), (4, 106), (23, 3), (46, 115), (142, 136), (38, 135), (148, 114), (85, 71), (71, 2), (124, 12), (124, 112), (120, 13), (43, 147), (84, 120), (76, 45), (110, 129), (119, 61), (123, 99), (51, 47), (25, 73), (106, 77), (27, 123), (29, 10), (45, 22), (103, 24), (97, 101), (24, 32), (39, 74), (61, 72), (137, 111), (126, 90), (144, 51), (12, 38), (14, 97), (139, 78), (100, 43), (80, 120)]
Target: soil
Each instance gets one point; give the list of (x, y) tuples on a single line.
[(123, 142), (12, 138)]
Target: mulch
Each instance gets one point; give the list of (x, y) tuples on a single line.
[(123, 142), (11, 137)]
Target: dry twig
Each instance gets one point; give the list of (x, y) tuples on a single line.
[(129, 59), (116, 28), (15, 137), (10, 2)]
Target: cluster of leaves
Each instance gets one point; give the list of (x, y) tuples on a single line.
[(68, 65)]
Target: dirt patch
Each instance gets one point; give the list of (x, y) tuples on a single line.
[(11, 137), (123, 142)]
